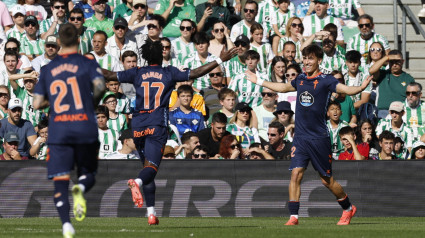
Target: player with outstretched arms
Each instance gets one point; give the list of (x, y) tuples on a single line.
[(311, 141), (154, 85), (71, 84)]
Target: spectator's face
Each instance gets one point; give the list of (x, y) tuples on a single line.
[(289, 52), (291, 74), (334, 112), (10, 62), (185, 99), (366, 130), (396, 116), (284, 117), (76, 19), (101, 121), (228, 103), (387, 146), (4, 97), (29, 84), (420, 153), (193, 142), (242, 48), (250, 12), (186, 29), (328, 44), (199, 154), (218, 129), (111, 103), (284, 6), (353, 67), (311, 63), (166, 49), (99, 43), (130, 62), (234, 146), (269, 97), (296, 27), (18, 19), (130, 144), (153, 29), (216, 76), (243, 115), (60, 8), (202, 48), (257, 36), (346, 143), (365, 27), (320, 9), (44, 132), (279, 69), (396, 65), (251, 63), (113, 86), (9, 147), (100, 6), (140, 8), (376, 51), (274, 136), (15, 114), (218, 31), (120, 31), (413, 95), (31, 28), (51, 50), (397, 146)]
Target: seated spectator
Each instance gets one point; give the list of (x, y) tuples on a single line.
[(418, 151), (4, 100), (128, 150), (211, 12), (256, 152), (212, 101), (396, 125), (278, 147), (376, 52), (108, 138), (198, 101), (221, 39), (392, 83), (39, 148), (280, 18), (51, 48), (264, 112), (185, 118), (227, 99), (400, 151), (365, 133), (99, 21), (415, 111), (31, 44), (189, 141), (355, 77), (278, 69), (183, 46), (237, 65), (124, 9), (117, 121), (241, 125), (230, 148), (76, 18), (14, 123), (123, 103), (289, 52), (292, 72), (11, 142), (167, 60), (168, 153), (334, 125), (33, 8), (285, 115), (211, 137), (243, 27), (294, 33), (200, 152), (347, 105), (23, 62), (386, 142), (104, 59), (89, 8), (10, 61), (352, 151), (18, 30), (264, 49), (51, 26), (138, 20), (173, 13)]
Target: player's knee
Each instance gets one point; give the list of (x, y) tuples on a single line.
[(297, 175), (327, 181)]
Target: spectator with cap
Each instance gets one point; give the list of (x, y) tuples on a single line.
[(243, 27), (18, 16), (173, 12), (128, 150), (242, 125), (120, 42), (51, 26), (212, 136), (418, 151), (139, 17), (168, 153), (11, 142), (15, 123), (99, 21), (278, 147), (76, 18), (396, 125), (31, 44), (104, 59), (237, 65), (88, 7), (51, 48), (285, 115)]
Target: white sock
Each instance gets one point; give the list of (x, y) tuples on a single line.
[(296, 216), (349, 209), (67, 227), (151, 210), (82, 187), (139, 182)]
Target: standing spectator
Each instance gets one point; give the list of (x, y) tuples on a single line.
[(173, 12), (365, 133), (211, 12), (108, 137), (18, 16), (212, 137), (334, 125), (51, 48), (14, 123), (355, 77), (51, 26), (220, 40), (119, 42), (237, 65), (263, 49), (183, 45), (99, 21), (31, 45), (241, 125), (363, 41), (386, 142), (11, 143), (189, 141), (294, 33), (352, 151), (230, 148), (278, 147), (243, 27), (89, 9), (4, 100), (265, 111), (104, 59), (128, 150), (33, 8), (76, 18), (415, 111), (392, 83)]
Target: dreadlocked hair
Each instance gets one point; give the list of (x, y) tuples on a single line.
[(152, 52)]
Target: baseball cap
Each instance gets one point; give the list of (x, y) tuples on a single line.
[(135, 2), (321, 1), (11, 137), (242, 38), (168, 150), (120, 21), (283, 106), (31, 19), (126, 134), (396, 106), (97, 1), (108, 94), (14, 103), (51, 40), (241, 106), (18, 9)]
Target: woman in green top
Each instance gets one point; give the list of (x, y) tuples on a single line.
[(124, 9)]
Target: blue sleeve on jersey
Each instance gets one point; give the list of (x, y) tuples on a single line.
[(179, 75), (127, 76), (332, 83), (294, 82), (40, 86)]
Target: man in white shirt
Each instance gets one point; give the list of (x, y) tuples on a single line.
[(104, 59), (128, 150), (51, 49)]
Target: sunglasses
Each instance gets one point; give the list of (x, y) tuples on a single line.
[(187, 28), (120, 28), (392, 112), (375, 49), (111, 102), (33, 24), (13, 48), (50, 46), (219, 30), (4, 95), (297, 25), (396, 61), (412, 93), (59, 7), (152, 26), (271, 134), (284, 112), (238, 43), (137, 6), (365, 25), (234, 146), (166, 47), (203, 156), (212, 75), (100, 2), (268, 94), (16, 109), (249, 10), (76, 18), (290, 75)]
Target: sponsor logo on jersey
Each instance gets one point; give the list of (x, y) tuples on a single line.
[(306, 99), (145, 132)]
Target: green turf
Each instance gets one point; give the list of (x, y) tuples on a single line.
[(217, 227)]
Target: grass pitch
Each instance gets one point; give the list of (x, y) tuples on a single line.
[(217, 227)]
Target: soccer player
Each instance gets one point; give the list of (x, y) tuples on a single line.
[(154, 85), (311, 142), (71, 84)]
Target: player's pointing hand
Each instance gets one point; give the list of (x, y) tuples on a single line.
[(251, 76)]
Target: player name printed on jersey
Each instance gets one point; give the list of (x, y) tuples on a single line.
[(152, 75), (306, 99), (64, 67)]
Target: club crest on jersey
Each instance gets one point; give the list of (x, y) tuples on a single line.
[(195, 122), (306, 99)]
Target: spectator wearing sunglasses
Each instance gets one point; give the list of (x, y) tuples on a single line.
[(392, 83), (278, 147), (51, 48), (376, 52), (265, 111), (4, 100), (243, 27), (237, 65), (14, 45), (200, 152), (166, 54), (220, 39), (230, 148), (211, 12), (183, 45), (99, 21), (31, 45), (88, 7), (139, 17), (242, 125), (363, 40), (415, 110), (174, 11), (284, 114), (18, 16), (76, 18), (294, 33), (212, 102), (51, 26)]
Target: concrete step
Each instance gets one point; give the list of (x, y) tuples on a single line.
[(388, 2), (384, 13), (387, 30)]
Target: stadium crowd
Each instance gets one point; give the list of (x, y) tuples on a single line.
[(221, 115)]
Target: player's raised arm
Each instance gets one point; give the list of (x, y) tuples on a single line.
[(278, 87), (353, 90), (99, 89), (40, 102), (204, 69), (109, 74)]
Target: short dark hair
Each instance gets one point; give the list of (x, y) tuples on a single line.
[(185, 89), (76, 11), (295, 67), (224, 92), (279, 126), (219, 117), (201, 147), (128, 53), (313, 50), (346, 130), (332, 28), (100, 32), (334, 103), (252, 2), (395, 52), (281, 1), (43, 124), (353, 56), (187, 135), (152, 52), (252, 54), (386, 135), (289, 43), (68, 35), (159, 19), (52, 2), (101, 109), (11, 53), (365, 16), (200, 38), (14, 40)]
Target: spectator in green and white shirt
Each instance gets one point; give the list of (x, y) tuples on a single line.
[(39, 148), (117, 121), (108, 138), (335, 124), (237, 65), (355, 77), (174, 11), (18, 17), (243, 27), (123, 104), (4, 100), (415, 110), (51, 26), (104, 59), (342, 9), (99, 21), (124, 9), (242, 126), (76, 18), (128, 150), (183, 45), (31, 44), (166, 54)]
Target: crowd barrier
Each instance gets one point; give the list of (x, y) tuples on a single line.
[(223, 188)]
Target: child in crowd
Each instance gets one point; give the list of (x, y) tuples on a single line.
[(355, 77), (400, 151), (116, 121), (334, 125), (352, 151), (39, 148), (123, 103), (227, 99), (108, 138), (264, 49)]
